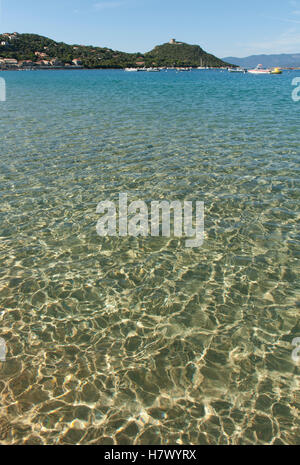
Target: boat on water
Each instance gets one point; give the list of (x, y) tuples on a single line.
[(276, 71), (183, 69), (138, 70), (237, 70), (259, 70)]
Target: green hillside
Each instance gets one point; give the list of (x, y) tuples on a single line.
[(24, 47), (36, 48), (181, 54)]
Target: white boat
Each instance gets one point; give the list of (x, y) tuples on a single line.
[(184, 69), (259, 70), (131, 70), (237, 70), (153, 70)]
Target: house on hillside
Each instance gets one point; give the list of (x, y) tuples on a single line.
[(9, 36), (26, 63), (40, 54), (55, 62), (10, 61), (77, 62)]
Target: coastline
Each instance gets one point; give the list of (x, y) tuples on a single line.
[(82, 68)]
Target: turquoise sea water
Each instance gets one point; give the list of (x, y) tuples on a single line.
[(143, 341)]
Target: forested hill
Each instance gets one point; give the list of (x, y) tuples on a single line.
[(181, 54), (38, 48)]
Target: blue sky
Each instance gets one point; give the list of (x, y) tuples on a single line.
[(222, 27)]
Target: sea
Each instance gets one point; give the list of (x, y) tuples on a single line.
[(141, 340)]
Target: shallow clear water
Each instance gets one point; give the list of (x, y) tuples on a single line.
[(143, 341)]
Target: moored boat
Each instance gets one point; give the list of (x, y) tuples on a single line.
[(237, 70), (183, 69), (276, 71), (259, 70)]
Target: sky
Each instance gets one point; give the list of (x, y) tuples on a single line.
[(223, 27)]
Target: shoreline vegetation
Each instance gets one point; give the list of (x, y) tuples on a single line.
[(31, 51)]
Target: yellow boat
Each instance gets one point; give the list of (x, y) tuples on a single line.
[(276, 71)]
